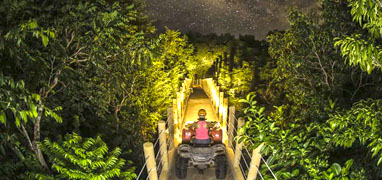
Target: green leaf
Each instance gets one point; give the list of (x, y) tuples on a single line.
[(54, 115), (336, 168), (32, 24), (36, 97), (359, 116), (23, 115), (296, 172), (379, 160), (348, 165), (17, 120), (45, 40), (3, 152), (33, 110), (18, 153), (286, 175), (241, 139), (243, 101), (3, 118)]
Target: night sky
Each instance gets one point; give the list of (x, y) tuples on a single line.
[(254, 17)]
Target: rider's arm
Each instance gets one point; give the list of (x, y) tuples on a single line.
[(194, 125), (211, 124)]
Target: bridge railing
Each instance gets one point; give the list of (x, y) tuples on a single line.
[(245, 162), (219, 103), (157, 164), (244, 165), (179, 109)]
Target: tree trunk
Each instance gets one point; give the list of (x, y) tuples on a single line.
[(36, 139), (116, 117)]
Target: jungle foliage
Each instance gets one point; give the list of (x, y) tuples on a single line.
[(316, 90), (317, 103), (79, 78), (87, 159), (233, 62), (78, 69)]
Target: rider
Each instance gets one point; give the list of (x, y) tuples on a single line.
[(202, 128)]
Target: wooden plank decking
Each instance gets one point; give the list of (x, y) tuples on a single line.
[(199, 100)]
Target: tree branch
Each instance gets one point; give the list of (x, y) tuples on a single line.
[(26, 135), (319, 62)]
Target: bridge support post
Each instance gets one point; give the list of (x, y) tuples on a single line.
[(217, 101), (175, 117), (231, 125), (255, 163), (224, 119), (148, 149), (170, 122), (163, 144), (239, 146), (221, 106), (179, 106)]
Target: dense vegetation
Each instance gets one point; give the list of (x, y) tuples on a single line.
[(83, 84), (311, 93), (94, 68), (317, 102)]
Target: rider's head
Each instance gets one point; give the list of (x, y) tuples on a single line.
[(202, 114)]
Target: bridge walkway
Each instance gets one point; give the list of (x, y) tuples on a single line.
[(194, 95), (199, 100)]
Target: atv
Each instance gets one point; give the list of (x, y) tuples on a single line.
[(201, 156)]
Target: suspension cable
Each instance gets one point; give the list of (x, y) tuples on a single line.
[(245, 161), (143, 167), (250, 141), (245, 147), (258, 170), (261, 159), (156, 156), (160, 165), (268, 167), (234, 128), (151, 170), (156, 141), (242, 170)]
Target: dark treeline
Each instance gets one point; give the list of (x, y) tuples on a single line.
[(83, 84)]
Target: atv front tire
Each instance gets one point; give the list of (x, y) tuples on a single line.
[(181, 167), (221, 167)]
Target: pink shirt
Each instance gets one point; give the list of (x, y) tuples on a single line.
[(201, 132)]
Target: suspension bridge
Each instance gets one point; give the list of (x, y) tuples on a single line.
[(243, 164)]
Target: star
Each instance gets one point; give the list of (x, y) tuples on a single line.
[(253, 17)]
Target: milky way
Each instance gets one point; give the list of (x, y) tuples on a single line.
[(255, 17)]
